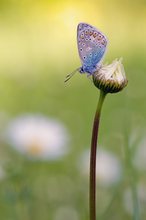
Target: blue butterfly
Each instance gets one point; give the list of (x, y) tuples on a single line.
[(91, 47)]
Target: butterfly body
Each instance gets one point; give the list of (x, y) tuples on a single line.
[(91, 46)]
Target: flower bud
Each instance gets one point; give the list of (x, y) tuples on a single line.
[(110, 78)]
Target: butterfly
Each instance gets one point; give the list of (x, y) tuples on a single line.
[(92, 46)]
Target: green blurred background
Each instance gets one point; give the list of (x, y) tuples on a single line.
[(37, 50)]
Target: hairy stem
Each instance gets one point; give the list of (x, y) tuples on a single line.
[(92, 190)]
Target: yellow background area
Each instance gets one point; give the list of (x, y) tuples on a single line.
[(36, 32)]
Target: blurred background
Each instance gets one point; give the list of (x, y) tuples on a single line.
[(45, 125)]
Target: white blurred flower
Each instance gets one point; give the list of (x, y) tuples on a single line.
[(140, 155), (38, 137), (128, 200), (108, 167)]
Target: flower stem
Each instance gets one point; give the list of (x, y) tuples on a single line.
[(92, 190)]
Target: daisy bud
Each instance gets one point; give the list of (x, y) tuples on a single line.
[(110, 78)]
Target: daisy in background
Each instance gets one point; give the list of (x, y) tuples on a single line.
[(38, 137), (108, 169)]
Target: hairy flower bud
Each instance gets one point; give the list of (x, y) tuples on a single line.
[(110, 78)]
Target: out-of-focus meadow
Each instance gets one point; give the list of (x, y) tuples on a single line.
[(45, 125)]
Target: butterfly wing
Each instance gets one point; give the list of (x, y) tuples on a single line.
[(91, 46)]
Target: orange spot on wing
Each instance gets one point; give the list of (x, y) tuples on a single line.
[(90, 32), (86, 32), (94, 34), (99, 37)]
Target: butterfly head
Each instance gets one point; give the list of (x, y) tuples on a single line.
[(81, 70)]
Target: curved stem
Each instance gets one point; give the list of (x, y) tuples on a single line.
[(92, 190)]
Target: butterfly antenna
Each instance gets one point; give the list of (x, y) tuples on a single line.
[(70, 75)]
